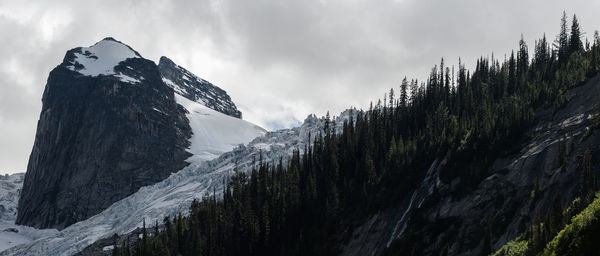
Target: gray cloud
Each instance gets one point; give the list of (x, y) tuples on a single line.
[(279, 60)]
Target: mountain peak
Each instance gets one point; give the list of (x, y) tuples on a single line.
[(196, 89), (166, 61), (110, 39), (100, 58)]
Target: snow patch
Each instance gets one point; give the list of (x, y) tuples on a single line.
[(173, 85), (127, 79), (101, 58), (12, 235), (215, 133), (157, 110)]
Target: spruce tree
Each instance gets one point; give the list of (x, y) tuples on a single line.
[(563, 40), (403, 93), (115, 251), (575, 44), (587, 178)]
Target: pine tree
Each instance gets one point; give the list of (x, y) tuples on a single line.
[(595, 56), (403, 93), (414, 90), (144, 238), (575, 44), (486, 249), (556, 221), (115, 251), (587, 177), (522, 64), (512, 73), (563, 40)]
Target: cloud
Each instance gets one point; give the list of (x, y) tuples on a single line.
[(279, 60)]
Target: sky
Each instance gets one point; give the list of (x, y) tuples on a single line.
[(278, 60)]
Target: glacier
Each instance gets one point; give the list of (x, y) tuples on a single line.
[(10, 233), (214, 133), (174, 194)]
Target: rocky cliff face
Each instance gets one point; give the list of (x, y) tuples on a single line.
[(196, 89), (436, 219), (108, 126)]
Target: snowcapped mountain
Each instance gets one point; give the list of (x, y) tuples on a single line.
[(110, 125), (99, 135), (174, 194)]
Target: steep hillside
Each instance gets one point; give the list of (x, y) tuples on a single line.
[(516, 188)]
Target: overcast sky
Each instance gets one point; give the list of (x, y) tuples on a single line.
[(279, 60)]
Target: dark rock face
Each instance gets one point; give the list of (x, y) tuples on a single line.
[(196, 89), (99, 139)]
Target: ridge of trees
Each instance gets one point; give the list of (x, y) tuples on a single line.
[(304, 206)]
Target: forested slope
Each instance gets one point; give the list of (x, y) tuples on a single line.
[(459, 132)]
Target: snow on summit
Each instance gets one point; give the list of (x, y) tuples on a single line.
[(101, 58)]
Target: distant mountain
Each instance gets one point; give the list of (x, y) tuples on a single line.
[(110, 125)]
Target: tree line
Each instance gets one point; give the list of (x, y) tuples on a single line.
[(307, 204)]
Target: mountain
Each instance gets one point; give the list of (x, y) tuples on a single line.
[(196, 89), (174, 194), (110, 125), (105, 115)]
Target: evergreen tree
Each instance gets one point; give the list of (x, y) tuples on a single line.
[(563, 40), (115, 251), (556, 217), (575, 44), (587, 177), (403, 93)]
